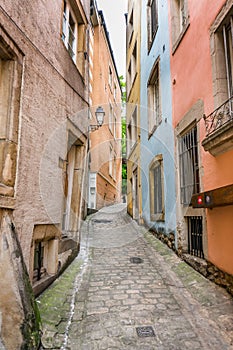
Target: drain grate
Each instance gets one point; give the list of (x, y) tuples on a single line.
[(146, 331), (136, 260), (101, 221)]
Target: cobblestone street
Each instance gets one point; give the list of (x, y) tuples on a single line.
[(127, 290)]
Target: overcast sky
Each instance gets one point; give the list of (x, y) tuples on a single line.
[(114, 14)]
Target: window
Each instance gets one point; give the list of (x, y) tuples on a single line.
[(134, 61), (152, 20), (114, 168), (10, 89), (219, 131), (111, 160), (132, 69), (179, 21), (189, 165), (195, 236), (45, 251), (130, 27), (132, 129), (114, 126), (228, 42), (153, 96), (110, 77), (129, 78), (223, 58), (115, 92), (156, 189), (181, 14), (110, 117), (39, 270), (69, 31)]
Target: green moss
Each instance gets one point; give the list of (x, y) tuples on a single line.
[(55, 301), (31, 328)]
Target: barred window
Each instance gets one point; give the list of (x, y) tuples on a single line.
[(189, 166), (156, 189)]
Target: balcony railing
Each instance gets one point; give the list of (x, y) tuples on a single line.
[(221, 116)]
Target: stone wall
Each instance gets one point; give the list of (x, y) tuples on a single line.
[(53, 90), (206, 268), (43, 114), (20, 320)]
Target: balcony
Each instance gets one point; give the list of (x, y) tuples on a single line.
[(219, 129)]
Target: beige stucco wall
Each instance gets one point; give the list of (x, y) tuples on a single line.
[(52, 90)]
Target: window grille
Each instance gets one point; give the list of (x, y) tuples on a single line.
[(189, 166), (156, 189), (195, 234), (158, 203)]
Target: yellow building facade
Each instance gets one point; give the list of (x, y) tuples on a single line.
[(133, 109)]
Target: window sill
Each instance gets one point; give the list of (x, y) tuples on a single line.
[(7, 202), (157, 217), (7, 191), (220, 141)]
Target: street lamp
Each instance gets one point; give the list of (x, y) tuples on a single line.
[(99, 114)]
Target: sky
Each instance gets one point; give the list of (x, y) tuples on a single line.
[(114, 15)]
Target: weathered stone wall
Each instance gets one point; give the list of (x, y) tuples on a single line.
[(46, 102), (206, 268), (20, 321), (52, 89)]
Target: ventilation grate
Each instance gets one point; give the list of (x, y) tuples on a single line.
[(136, 260), (101, 221), (146, 331)]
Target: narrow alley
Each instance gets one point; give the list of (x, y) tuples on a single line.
[(127, 290)]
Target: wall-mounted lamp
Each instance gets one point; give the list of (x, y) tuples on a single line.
[(99, 113)]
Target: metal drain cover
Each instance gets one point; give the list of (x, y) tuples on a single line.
[(136, 260), (101, 221), (146, 331)]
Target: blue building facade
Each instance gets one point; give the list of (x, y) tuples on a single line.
[(156, 132)]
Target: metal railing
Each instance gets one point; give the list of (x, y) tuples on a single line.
[(221, 116)]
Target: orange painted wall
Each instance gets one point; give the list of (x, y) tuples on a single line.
[(191, 72), (108, 187), (220, 234)]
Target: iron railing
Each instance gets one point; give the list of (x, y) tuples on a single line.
[(221, 116)]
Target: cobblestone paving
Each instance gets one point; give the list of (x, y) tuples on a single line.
[(115, 296)]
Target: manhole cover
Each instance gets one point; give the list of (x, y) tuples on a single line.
[(146, 331), (101, 221), (136, 260)]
